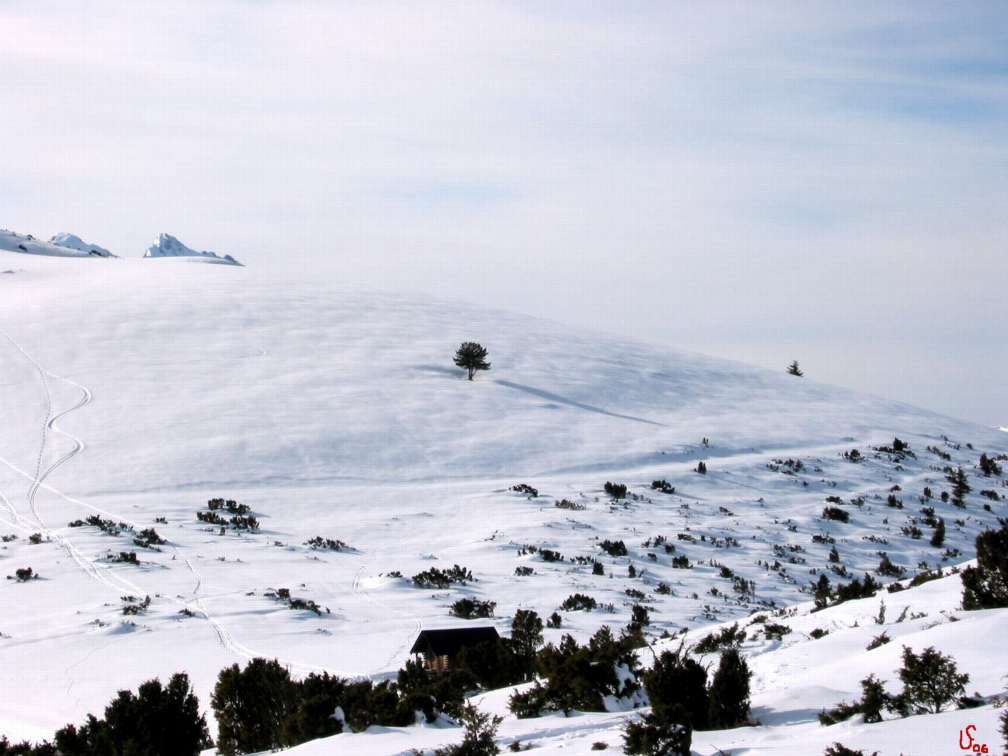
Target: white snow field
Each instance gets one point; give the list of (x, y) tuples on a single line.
[(137, 389)]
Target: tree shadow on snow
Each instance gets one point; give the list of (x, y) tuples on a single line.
[(556, 398)]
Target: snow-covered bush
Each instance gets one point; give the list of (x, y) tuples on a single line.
[(467, 608), (616, 490), (613, 548), (23, 574), (318, 543), (147, 538), (437, 578), (874, 700), (835, 513), (568, 504), (579, 602), (725, 638), (662, 485)]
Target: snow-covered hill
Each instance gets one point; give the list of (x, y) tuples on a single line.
[(72, 241), (61, 245), (168, 246), (138, 391)]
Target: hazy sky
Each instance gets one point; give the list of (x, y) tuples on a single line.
[(763, 181)]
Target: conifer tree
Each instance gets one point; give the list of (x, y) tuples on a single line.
[(959, 486), (472, 356), (986, 585), (930, 681), (729, 691), (526, 638), (793, 369), (939, 534)]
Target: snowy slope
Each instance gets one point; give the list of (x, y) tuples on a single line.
[(139, 391), (793, 680), (168, 246)]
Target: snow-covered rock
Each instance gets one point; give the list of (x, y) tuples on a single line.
[(167, 245)]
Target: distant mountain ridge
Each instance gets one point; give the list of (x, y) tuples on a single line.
[(167, 245), (61, 245), (72, 241)]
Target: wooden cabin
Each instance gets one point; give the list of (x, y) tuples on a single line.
[(440, 648)]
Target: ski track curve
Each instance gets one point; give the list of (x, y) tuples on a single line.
[(417, 625), (101, 573), (226, 639)]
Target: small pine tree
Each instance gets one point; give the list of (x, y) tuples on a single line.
[(701, 467), (677, 689), (873, 699), (480, 731), (729, 691), (938, 538), (986, 585), (654, 735), (793, 369), (960, 487), (251, 705), (822, 592), (930, 681), (526, 638), (472, 356)]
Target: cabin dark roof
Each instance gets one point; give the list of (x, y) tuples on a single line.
[(452, 640)]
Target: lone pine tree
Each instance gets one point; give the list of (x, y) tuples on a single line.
[(793, 369), (472, 356)]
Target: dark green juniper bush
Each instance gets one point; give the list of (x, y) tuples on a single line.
[(985, 586)]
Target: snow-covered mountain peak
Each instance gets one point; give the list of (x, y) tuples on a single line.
[(61, 245), (167, 245), (72, 241)]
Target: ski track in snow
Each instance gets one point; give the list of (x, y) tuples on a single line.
[(103, 574), (409, 637), (227, 640)]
